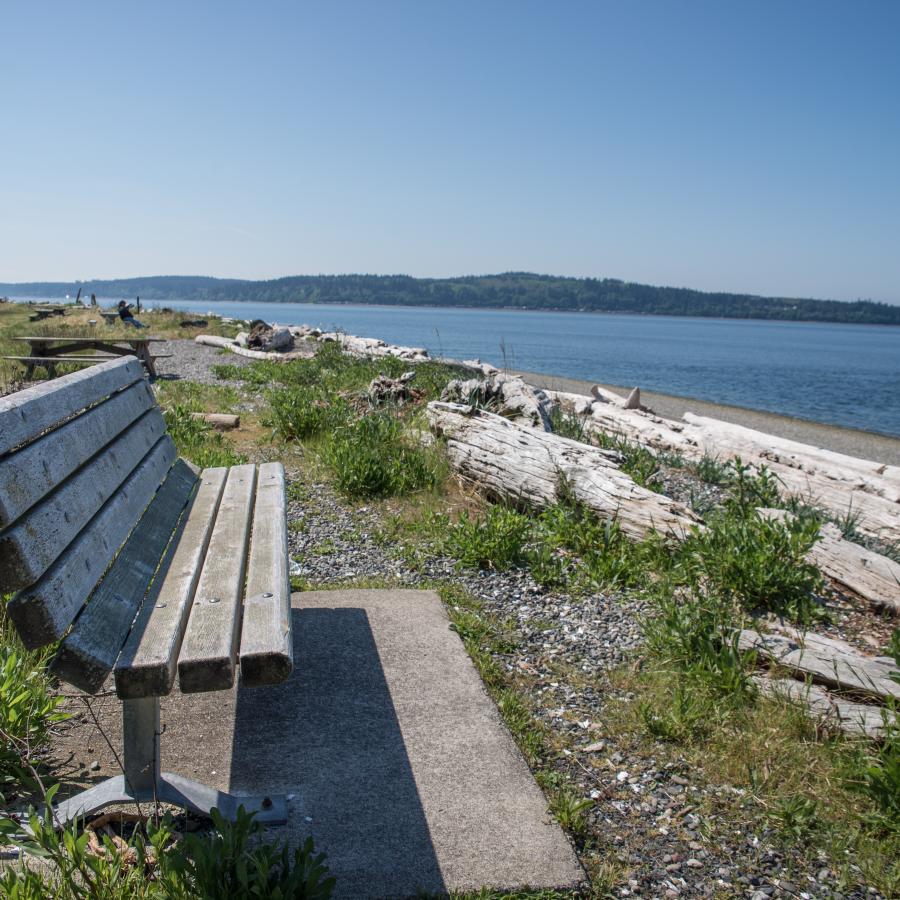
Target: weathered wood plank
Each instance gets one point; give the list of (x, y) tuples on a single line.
[(267, 655), (823, 663), (26, 414), (44, 611), (146, 666), (28, 548), (88, 653), (834, 711), (207, 658), (524, 465), (33, 472)]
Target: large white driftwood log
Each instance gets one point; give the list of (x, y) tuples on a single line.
[(878, 478), (213, 340), (525, 465), (862, 491), (870, 575)]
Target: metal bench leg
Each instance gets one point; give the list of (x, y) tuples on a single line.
[(143, 782)]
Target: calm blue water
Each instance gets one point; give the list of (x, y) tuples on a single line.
[(839, 374)]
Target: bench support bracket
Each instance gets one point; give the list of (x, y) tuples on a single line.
[(144, 782)]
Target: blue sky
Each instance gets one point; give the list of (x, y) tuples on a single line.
[(724, 146)]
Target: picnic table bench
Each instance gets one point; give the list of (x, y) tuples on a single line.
[(48, 351), (140, 566)]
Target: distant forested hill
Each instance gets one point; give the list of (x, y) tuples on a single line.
[(519, 290)]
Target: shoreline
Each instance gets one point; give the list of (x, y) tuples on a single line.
[(870, 445)]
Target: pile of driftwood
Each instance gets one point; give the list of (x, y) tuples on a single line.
[(499, 437), (359, 346), (272, 342), (844, 486)]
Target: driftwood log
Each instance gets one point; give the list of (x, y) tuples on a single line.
[(213, 340), (867, 574), (524, 465), (508, 396), (219, 421), (826, 661), (843, 486), (831, 709)]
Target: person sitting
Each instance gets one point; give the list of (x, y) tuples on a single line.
[(126, 316)]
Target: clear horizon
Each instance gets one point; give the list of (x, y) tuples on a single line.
[(749, 150)]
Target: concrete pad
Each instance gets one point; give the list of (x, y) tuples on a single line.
[(397, 759)]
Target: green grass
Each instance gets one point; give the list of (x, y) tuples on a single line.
[(198, 442)]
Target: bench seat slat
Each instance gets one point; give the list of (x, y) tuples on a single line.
[(29, 547), (89, 652), (266, 642), (207, 658), (146, 666), (26, 414), (34, 471), (44, 611)]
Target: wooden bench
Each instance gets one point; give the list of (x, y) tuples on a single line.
[(140, 566)]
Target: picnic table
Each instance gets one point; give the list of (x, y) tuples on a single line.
[(47, 351), (44, 312)]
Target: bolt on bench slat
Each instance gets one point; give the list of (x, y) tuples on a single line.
[(37, 469), (146, 666), (266, 642), (29, 547), (207, 658), (44, 611), (26, 414), (89, 652)]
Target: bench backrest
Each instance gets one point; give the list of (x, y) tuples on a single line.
[(81, 457)]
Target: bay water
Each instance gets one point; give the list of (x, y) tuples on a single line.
[(838, 374)]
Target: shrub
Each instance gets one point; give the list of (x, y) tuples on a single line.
[(305, 411), (498, 540), (754, 562), (27, 706), (373, 457), (227, 864)]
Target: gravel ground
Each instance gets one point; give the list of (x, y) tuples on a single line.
[(194, 362), (660, 821)]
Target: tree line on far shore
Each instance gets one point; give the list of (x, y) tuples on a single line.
[(515, 290)]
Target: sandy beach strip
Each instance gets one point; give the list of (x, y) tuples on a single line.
[(864, 444)]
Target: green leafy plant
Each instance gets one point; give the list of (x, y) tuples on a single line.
[(637, 461), (497, 540), (373, 457), (305, 411), (567, 424), (27, 707), (712, 470), (230, 863), (755, 562), (796, 817)]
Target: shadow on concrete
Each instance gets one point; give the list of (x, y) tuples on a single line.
[(330, 736)]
